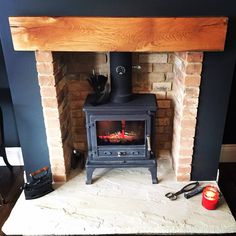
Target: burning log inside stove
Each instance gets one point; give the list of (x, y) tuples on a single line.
[(120, 137), (123, 134)]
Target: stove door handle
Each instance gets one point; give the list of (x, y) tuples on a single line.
[(148, 143), (122, 153)]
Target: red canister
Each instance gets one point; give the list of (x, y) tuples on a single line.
[(210, 197)]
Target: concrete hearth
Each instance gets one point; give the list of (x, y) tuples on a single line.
[(119, 202)]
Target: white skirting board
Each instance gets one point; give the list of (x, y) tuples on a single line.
[(228, 153), (14, 156)]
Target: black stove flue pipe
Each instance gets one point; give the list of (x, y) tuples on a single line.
[(121, 76)]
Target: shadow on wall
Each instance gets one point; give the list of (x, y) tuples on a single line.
[(10, 130)]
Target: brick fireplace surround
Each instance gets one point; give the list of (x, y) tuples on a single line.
[(171, 65), (173, 77)]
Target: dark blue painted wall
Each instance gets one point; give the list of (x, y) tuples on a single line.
[(9, 124), (25, 91), (230, 125)]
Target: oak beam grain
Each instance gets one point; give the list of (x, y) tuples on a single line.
[(118, 33)]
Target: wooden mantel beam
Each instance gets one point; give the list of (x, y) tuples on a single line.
[(140, 34)]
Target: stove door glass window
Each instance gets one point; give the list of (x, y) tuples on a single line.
[(120, 132)]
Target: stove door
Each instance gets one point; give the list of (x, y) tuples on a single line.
[(120, 136)]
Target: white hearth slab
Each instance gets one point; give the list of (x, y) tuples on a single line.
[(120, 201)]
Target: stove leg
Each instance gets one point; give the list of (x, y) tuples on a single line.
[(89, 174), (153, 171)]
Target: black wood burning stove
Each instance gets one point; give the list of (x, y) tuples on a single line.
[(120, 132)]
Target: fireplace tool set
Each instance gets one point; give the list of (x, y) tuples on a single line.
[(100, 87)]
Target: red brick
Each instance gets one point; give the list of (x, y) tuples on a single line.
[(93, 58), (57, 153), (83, 76), (187, 142), (167, 145), (170, 76), (195, 56), (178, 87), (169, 112), (170, 94), (76, 113), (59, 75), (142, 89), (185, 147), (161, 113), (193, 80), (194, 68), (190, 56), (61, 85), (190, 102), (170, 58), (185, 161), (57, 164), (77, 67), (151, 77), (159, 67), (184, 169), (183, 178), (59, 178), (46, 80), (52, 133), (78, 86), (168, 129), (188, 133), (189, 113), (48, 91), (179, 66), (76, 104), (51, 113), (43, 56), (79, 137), (64, 115), (153, 58), (83, 94), (77, 122), (53, 142), (163, 137), (164, 103), (192, 92), (160, 95), (189, 124), (50, 102), (163, 121), (146, 67), (74, 96), (162, 86), (182, 55), (53, 123), (160, 129), (45, 68), (186, 152), (79, 145), (142, 81)]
